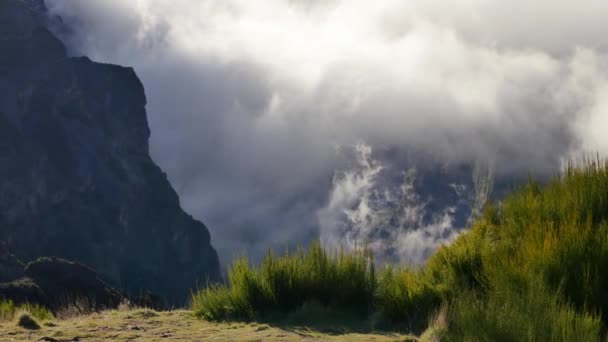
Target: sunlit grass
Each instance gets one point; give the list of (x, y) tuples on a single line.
[(531, 268), (282, 284), (8, 311)]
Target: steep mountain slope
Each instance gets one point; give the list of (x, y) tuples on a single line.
[(76, 178)]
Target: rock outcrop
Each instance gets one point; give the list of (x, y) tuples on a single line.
[(10, 267), (24, 290), (76, 178), (58, 284), (64, 282)]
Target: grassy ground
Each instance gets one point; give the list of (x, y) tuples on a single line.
[(147, 325)]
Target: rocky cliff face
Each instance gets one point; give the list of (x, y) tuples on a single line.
[(76, 178)]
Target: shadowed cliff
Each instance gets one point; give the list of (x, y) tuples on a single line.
[(76, 178)]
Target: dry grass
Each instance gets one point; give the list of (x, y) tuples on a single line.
[(149, 325)]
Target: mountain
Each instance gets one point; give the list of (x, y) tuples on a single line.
[(76, 177)]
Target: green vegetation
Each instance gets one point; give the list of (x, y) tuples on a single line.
[(25, 316), (532, 268), (9, 311), (283, 284)]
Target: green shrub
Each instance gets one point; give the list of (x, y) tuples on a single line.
[(218, 302), (404, 297), (531, 268), (507, 314), (283, 284), (558, 234), (460, 266)]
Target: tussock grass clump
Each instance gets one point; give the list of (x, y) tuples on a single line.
[(532, 268), (145, 313), (26, 321), (8, 311), (282, 284)]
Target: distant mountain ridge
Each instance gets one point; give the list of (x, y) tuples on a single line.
[(76, 177)]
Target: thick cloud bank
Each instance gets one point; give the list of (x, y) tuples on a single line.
[(252, 104)]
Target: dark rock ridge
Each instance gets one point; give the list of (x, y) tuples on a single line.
[(64, 281), (76, 178), (10, 267), (60, 285), (57, 283)]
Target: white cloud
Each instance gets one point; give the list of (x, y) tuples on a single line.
[(388, 219), (248, 99)]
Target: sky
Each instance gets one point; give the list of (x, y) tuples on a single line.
[(271, 116)]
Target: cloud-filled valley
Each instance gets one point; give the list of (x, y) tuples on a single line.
[(278, 121)]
